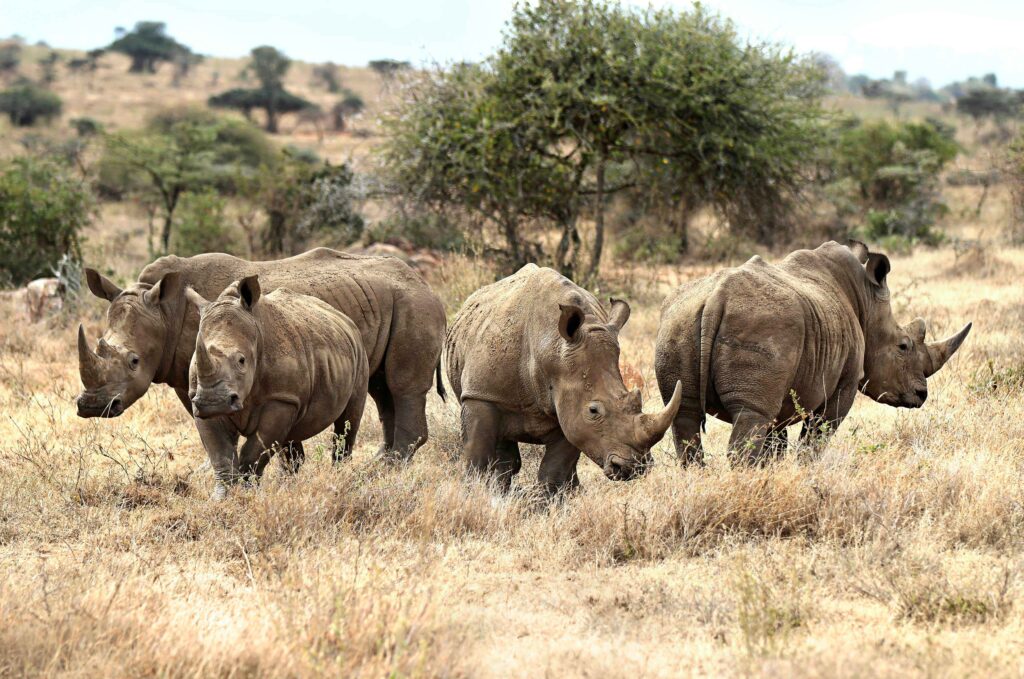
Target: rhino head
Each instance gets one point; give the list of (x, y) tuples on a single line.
[(897, 360), (131, 349), (223, 367), (595, 411)]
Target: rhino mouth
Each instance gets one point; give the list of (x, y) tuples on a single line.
[(91, 406), (206, 408), (619, 468)]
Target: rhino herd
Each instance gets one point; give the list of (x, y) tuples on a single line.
[(279, 351)]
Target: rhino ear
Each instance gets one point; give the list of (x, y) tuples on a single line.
[(878, 268), (164, 288), (101, 286), (249, 290), (917, 329), (859, 250), (570, 322), (620, 313)]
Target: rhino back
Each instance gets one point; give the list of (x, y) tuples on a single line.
[(499, 343), (366, 289), (312, 354)]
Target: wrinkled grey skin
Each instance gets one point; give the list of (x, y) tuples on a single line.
[(817, 327), (277, 369), (534, 358), (151, 330)]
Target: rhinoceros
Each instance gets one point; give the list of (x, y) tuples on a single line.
[(151, 331), (277, 369), (762, 346), (534, 358)]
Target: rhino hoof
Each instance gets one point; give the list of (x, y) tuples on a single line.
[(220, 492)]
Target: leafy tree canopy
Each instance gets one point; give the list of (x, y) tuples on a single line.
[(148, 45)]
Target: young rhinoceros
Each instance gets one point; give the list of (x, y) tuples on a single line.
[(762, 346), (534, 358), (277, 369)]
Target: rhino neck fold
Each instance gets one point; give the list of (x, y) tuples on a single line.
[(174, 326)]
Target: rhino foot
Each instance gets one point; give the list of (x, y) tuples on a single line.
[(220, 492)]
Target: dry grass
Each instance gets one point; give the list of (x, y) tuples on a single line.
[(895, 552)]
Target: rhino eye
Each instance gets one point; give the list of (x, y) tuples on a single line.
[(904, 346), (241, 360), (594, 410), (133, 362)]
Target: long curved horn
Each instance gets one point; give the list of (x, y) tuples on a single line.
[(88, 361), (941, 351), (203, 363), (653, 427)]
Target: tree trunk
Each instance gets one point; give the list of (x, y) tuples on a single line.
[(138, 64), (165, 233), (595, 257), (568, 245), (272, 119), (508, 225)]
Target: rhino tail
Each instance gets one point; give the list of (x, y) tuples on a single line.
[(710, 318), (440, 383)]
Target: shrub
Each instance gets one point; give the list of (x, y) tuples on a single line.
[(85, 126), (424, 229), (202, 226), (25, 104), (43, 207), (889, 174)]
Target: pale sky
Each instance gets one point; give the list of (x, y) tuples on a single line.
[(937, 39)]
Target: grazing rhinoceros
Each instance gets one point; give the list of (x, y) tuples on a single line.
[(277, 369), (151, 330), (762, 346), (534, 358)]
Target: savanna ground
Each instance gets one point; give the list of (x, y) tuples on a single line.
[(897, 551)]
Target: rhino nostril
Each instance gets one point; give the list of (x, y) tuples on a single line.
[(116, 406), (234, 400), (922, 394)]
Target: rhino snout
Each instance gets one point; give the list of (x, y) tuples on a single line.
[(619, 468), (92, 406), (206, 405)]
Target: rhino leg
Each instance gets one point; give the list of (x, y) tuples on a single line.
[(414, 347), (776, 443), (558, 467), (410, 423), (293, 454), (824, 422), (381, 395), (221, 443), (749, 432), (686, 437), (346, 428), (480, 423), (276, 422), (508, 464)]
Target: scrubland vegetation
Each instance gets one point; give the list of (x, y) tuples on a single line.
[(896, 551)]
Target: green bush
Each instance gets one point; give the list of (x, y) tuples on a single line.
[(43, 207), (887, 175), (202, 226), (423, 229), (26, 103)]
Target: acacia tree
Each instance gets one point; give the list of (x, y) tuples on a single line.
[(172, 163), (269, 65), (148, 45), (589, 99), (450, 145)]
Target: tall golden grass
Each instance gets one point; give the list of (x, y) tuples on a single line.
[(895, 552)]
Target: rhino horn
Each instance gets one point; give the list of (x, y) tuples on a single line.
[(941, 351), (89, 364), (653, 427), (203, 362)]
